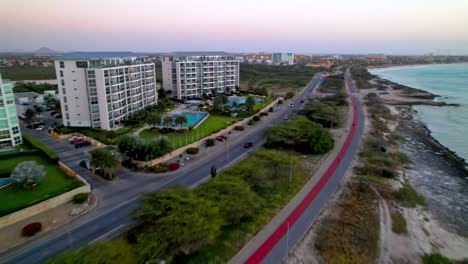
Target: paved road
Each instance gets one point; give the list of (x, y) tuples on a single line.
[(273, 244), (118, 200)]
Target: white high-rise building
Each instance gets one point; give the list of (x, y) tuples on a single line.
[(100, 89), (10, 134), (282, 58), (193, 75)]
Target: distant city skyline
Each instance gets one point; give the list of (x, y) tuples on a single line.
[(302, 26)]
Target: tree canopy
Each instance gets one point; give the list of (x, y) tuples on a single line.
[(138, 149), (250, 103), (28, 174), (322, 113), (103, 158)]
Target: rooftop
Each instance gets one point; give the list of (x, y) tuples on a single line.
[(100, 55), (198, 53)]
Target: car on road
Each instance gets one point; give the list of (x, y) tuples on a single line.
[(301, 101), (221, 138), (58, 116), (285, 117), (291, 105), (248, 145), (53, 113), (73, 138), (76, 140), (40, 128), (82, 144)]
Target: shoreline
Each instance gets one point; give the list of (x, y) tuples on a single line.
[(410, 66)]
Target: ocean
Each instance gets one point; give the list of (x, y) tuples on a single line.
[(448, 125), (442, 183)]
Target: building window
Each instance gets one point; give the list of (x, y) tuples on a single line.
[(62, 64), (67, 116), (63, 90), (62, 81), (64, 99), (82, 64), (61, 73), (66, 107), (15, 130), (17, 140)]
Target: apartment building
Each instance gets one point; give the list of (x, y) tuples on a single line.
[(100, 89), (283, 58), (10, 134), (194, 75)]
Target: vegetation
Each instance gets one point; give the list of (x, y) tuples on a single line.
[(31, 229), (138, 149), (300, 135), (323, 113), (21, 87), (408, 197), (37, 144), (250, 103), (109, 137), (28, 174), (239, 128), (80, 198), (351, 234), (192, 151), (115, 251), (209, 142), (332, 84), (362, 77), (398, 223), (13, 198), (255, 77), (19, 73), (102, 158), (437, 258)]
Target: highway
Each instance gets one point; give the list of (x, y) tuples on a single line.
[(273, 246), (118, 200)]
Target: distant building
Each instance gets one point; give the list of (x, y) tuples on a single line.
[(100, 89), (194, 75), (376, 58), (283, 58), (10, 134)]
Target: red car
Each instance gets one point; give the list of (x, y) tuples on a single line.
[(221, 138), (76, 140), (53, 113), (248, 145), (301, 101)]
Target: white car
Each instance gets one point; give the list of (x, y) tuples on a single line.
[(73, 138), (39, 128), (285, 117), (291, 105)]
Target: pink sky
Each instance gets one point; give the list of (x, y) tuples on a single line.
[(337, 26)]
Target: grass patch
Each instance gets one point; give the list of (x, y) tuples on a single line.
[(18, 73), (37, 144), (409, 197), (13, 198), (211, 125), (437, 258), (351, 235), (260, 106), (399, 223)]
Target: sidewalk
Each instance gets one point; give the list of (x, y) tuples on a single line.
[(255, 243)]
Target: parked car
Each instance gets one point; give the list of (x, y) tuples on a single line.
[(73, 138), (82, 144), (76, 140), (248, 145), (221, 138), (301, 101), (58, 116), (53, 113), (40, 128), (285, 117), (291, 105)]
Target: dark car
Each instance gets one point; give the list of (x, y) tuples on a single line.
[(248, 145), (301, 101), (82, 144), (53, 113), (221, 138)]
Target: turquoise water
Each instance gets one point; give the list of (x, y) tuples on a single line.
[(449, 125), (192, 118)]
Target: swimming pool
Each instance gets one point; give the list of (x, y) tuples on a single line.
[(242, 101), (5, 182), (193, 118)]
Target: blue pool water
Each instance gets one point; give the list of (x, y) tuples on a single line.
[(242, 101), (193, 119), (4, 182)]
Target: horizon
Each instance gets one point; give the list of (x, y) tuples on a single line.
[(299, 26)]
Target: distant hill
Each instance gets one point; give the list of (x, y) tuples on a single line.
[(45, 50)]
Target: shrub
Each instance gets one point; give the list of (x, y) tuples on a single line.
[(399, 223), (30, 230), (264, 113), (83, 164), (436, 258), (256, 118), (239, 128), (388, 173), (192, 151), (37, 144), (80, 198), (270, 109), (289, 95), (173, 166), (408, 196), (209, 142), (160, 168), (251, 122), (280, 102)]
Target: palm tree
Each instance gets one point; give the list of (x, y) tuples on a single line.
[(104, 159), (181, 120), (168, 120), (153, 119)]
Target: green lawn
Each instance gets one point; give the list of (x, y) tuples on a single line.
[(211, 125), (260, 106), (13, 198), (18, 73)]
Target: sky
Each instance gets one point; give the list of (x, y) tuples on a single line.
[(302, 26)]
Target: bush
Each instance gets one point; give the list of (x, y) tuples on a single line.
[(239, 128), (280, 102), (83, 164), (80, 198), (289, 95), (264, 113), (31, 229), (160, 168), (256, 118), (270, 109), (209, 142), (408, 196), (37, 144), (399, 223), (192, 151), (251, 122), (436, 258)]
